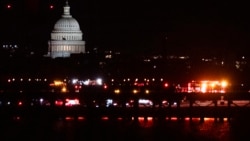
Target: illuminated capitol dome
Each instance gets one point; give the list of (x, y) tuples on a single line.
[(66, 37)]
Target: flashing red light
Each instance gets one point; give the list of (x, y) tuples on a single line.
[(105, 86), (59, 103), (51, 6), (140, 84), (166, 85), (8, 6), (20, 103), (78, 87)]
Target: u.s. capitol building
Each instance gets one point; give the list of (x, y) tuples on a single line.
[(66, 37)]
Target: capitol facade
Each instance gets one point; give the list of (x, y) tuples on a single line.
[(66, 37)]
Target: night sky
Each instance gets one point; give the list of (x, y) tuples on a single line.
[(205, 27)]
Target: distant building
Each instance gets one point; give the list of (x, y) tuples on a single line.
[(66, 37), (10, 49)]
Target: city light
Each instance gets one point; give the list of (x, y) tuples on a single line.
[(117, 91), (64, 89), (208, 86), (72, 102), (135, 91)]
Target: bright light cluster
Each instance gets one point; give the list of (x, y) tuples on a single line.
[(59, 84), (207, 86), (97, 81)]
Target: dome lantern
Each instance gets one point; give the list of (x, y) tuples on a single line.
[(66, 10)]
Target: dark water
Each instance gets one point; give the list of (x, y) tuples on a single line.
[(122, 130)]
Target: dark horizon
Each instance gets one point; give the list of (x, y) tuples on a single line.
[(141, 27)]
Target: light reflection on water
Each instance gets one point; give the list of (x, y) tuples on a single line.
[(146, 128), (119, 129)]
